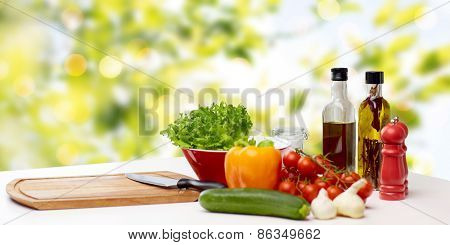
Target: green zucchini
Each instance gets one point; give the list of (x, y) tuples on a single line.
[(254, 201)]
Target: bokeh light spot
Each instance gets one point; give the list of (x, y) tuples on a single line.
[(4, 69), (75, 65), (24, 86), (143, 53), (67, 153), (72, 18), (110, 67), (73, 108), (328, 9)]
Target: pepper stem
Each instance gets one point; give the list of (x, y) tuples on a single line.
[(266, 143)]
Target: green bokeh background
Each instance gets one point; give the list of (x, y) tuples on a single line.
[(66, 99)]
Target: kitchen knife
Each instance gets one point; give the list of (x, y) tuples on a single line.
[(174, 183)]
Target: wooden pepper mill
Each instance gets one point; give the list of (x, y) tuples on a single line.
[(393, 172)]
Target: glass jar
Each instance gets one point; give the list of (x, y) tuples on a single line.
[(295, 136)]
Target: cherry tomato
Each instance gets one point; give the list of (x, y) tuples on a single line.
[(348, 179), (289, 174), (310, 192), (300, 185), (293, 170), (307, 167), (355, 175), (313, 178), (284, 174), (322, 163), (290, 159), (366, 191), (334, 191), (322, 183), (287, 186), (331, 176), (293, 174)]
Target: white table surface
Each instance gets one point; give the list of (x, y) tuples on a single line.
[(427, 203)]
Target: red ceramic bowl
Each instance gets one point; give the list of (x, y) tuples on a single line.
[(209, 165)]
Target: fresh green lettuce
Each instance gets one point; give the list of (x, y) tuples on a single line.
[(216, 127)]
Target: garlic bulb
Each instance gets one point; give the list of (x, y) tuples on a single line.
[(322, 207), (349, 203)]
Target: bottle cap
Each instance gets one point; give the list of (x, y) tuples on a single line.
[(339, 74), (374, 77)]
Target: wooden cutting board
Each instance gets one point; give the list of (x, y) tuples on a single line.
[(94, 191)]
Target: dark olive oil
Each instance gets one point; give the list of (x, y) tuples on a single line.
[(339, 129), (339, 143)]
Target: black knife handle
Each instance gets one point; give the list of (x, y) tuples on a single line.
[(199, 185)]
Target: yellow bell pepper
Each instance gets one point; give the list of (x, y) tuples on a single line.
[(253, 166)]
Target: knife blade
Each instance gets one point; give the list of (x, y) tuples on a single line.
[(174, 183)]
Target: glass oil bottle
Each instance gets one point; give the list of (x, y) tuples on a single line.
[(373, 114), (339, 127)]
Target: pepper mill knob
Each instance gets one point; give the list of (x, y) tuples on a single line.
[(393, 133), (393, 172)]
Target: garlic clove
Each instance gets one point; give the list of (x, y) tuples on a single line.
[(349, 203), (350, 207), (322, 207)]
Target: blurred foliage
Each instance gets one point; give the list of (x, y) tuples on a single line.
[(73, 103), (440, 85), (433, 60), (387, 58), (66, 102)]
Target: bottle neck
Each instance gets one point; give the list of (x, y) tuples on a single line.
[(374, 91), (339, 90)]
